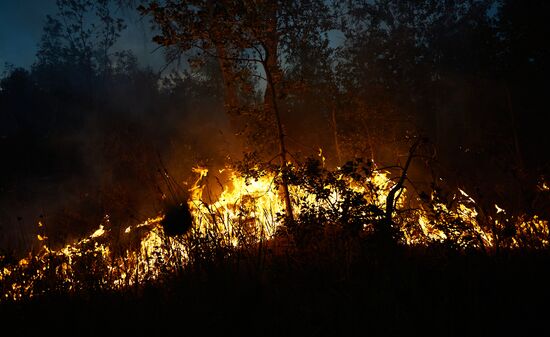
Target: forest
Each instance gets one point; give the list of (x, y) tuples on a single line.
[(311, 168)]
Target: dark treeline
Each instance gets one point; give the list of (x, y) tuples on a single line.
[(471, 75), (87, 131)]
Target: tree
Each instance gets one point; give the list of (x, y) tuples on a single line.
[(248, 38), (74, 58), (312, 88), (81, 33)]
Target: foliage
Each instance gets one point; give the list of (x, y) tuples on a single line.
[(471, 74), (338, 208), (72, 38)]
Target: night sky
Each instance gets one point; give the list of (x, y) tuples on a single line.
[(21, 24)]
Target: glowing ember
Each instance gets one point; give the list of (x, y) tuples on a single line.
[(99, 232)]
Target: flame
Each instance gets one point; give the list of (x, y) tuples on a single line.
[(245, 208), (246, 212), (99, 232), (323, 159), (543, 185)]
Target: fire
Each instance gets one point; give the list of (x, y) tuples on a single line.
[(244, 209), (246, 212), (99, 232)]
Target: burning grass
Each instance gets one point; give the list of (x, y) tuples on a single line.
[(336, 213)]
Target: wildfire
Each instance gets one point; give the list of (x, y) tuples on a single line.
[(245, 209), (246, 212)]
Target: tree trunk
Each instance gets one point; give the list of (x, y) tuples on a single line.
[(273, 75), (387, 229), (335, 132)]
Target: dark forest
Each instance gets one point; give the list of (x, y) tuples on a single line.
[(308, 168)]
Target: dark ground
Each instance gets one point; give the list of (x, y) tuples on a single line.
[(400, 292)]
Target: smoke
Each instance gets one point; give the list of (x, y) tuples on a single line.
[(120, 150), (83, 143)]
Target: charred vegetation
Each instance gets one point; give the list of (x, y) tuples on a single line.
[(293, 168)]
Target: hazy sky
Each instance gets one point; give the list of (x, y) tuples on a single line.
[(21, 24), (20, 29)]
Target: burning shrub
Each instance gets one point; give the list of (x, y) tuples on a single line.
[(334, 211), (342, 201)]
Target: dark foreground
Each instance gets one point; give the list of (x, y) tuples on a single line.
[(401, 291)]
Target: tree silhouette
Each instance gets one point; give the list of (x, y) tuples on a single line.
[(242, 36)]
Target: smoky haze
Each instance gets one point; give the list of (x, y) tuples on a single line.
[(82, 145), (21, 27), (87, 132)]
